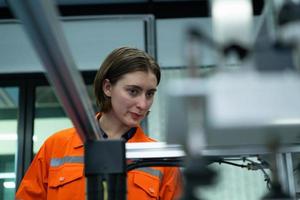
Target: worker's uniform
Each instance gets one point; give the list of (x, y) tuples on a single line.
[(57, 173)]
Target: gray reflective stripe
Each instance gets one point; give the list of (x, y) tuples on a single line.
[(153, 172), (55, 162)]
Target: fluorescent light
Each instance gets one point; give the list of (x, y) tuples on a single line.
[(7, 175), (8, 137), (232, 20), (9, 184), (13, 137), (34, 138), (291, 121)]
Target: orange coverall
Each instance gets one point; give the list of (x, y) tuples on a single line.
[(57, 172)]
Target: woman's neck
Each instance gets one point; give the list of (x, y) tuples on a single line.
[(112, 126)]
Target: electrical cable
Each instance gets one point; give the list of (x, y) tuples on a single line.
[(154, 162), (254, 165), (179, 162), (234, 164), (173, 162)]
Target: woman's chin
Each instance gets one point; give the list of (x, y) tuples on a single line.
[(133, 123)]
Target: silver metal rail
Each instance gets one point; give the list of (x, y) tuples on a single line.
[(153, 150)]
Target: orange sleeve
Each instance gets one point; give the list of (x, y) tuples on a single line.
[(34, 183), (172, 184)]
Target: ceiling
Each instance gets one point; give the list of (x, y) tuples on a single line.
[(159, 8)]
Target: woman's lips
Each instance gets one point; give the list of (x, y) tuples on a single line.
[(136, 116)]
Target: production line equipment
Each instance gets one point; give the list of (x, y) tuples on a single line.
[(249, 103)]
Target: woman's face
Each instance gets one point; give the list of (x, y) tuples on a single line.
[(131, 96)]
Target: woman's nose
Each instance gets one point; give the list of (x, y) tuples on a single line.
[(142, 103)]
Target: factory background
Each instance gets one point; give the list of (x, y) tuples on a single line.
[(30, 111)]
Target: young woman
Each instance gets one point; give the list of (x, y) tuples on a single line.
[(124, 87)]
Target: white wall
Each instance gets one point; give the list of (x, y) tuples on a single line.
[(89, 40), (172, 39)]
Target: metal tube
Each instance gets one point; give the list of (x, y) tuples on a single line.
[(95, 188), (40, 19), (117, 186), (290, 175)]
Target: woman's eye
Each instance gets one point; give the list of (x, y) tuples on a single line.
[(150, 94), (132, 92)]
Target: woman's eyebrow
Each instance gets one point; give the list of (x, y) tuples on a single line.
[(140, 88), (134, 87), (152, 90)]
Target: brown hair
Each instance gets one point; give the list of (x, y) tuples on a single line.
[(119, 62)]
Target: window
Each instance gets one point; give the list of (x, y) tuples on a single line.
[(49, 116), (8, 140)]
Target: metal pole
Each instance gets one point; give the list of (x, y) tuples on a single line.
[(290, 175), (40, 20)]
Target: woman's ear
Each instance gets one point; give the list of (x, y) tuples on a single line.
[(106, 87)]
